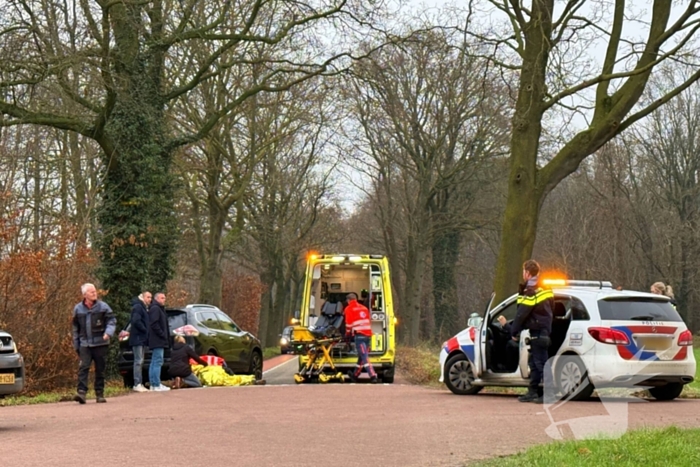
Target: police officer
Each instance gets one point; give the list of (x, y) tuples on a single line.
[(535, 305)]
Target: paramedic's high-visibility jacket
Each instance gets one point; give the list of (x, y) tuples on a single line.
[(535, 305), (357, 319)]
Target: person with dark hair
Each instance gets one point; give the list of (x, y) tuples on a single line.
[(358, 326), (364, 298), (138, 336), (157, 340), (535, 313)]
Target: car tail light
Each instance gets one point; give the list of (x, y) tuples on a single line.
[(609, 336), (686, 338), (472, 333)]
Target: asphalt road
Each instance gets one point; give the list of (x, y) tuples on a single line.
[(290, 425), (281, 369)]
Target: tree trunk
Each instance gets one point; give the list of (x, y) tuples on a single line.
[(525, 194), (137, 217), (415, 268), (265, 310), (211, 272), (445, 254)]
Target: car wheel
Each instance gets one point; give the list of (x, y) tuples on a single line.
[(459, 375), (572, 378), (256, 365), (667, 392)]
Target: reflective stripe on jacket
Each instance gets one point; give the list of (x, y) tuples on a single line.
[(535, 306), (357, 319)]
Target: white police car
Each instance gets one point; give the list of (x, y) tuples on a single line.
[(601, 337)]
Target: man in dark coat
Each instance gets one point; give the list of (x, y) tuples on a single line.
[(138, 336), (535, 313), (157, 340)]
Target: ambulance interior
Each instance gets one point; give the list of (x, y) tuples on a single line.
[(330, 285)]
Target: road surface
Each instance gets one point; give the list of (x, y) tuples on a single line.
[(289, 425)]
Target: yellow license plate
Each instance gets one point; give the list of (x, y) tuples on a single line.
[(654, 343), (7, 378)]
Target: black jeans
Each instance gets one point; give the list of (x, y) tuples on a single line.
[(87, 356), (539, 354)]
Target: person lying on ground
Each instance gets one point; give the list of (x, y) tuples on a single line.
[(214, 375)]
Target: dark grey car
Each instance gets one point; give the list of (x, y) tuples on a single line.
[(11, 366), (218, 335)]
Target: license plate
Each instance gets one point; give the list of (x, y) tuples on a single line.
[(7, 378), (654, 343)]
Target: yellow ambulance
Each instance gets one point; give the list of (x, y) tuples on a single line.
[(329, 278)]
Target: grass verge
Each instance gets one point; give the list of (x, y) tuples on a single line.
[(270, 352), (668, 446), (112, 389), (419, 365), (692, 390)]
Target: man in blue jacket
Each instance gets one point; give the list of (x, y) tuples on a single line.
[(138, 336), (158, 340), (93, 326)]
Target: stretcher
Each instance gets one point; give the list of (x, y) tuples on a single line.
[(319, 364), (316, 343)]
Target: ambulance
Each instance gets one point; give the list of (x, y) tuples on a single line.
[(329, 278)]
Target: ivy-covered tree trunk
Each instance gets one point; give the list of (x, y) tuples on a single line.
[(137, 219), (445, 254)]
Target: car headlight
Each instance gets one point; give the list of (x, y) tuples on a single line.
[(284, 341)]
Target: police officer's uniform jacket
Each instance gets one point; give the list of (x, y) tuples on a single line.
[(535, 305)]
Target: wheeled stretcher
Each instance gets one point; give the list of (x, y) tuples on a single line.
[(316, 342)]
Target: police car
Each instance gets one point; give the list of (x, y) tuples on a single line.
[(601, 337)]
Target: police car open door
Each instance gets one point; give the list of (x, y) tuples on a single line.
[(481, 339)]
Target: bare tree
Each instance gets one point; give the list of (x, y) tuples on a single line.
[(550, 50), (670, 151), (110, 71), (429, 119)]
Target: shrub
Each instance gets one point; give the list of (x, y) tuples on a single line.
[(38, 289)]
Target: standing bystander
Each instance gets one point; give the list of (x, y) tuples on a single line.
[(138, 336), (93, 325), (157, 340)]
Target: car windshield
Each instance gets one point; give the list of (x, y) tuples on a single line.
[(637, 309)]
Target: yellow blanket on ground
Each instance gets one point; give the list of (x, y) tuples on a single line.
[(214, 375)]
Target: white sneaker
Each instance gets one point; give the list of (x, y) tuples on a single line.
[(140, 388), (162, 388)]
